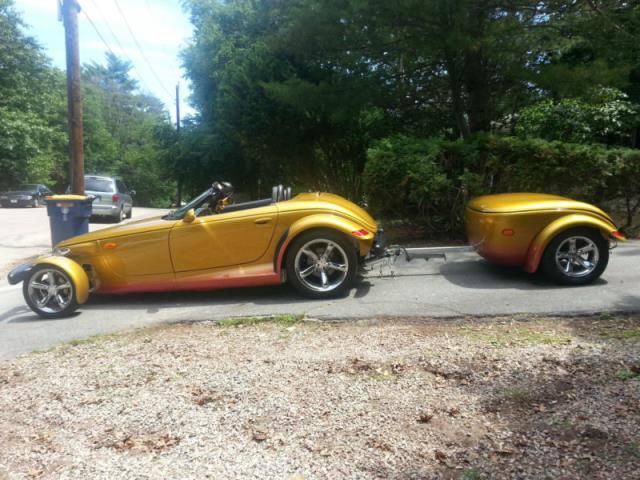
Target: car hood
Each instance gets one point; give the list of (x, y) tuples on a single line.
[(128, 228), (330, 201), (528, 202)]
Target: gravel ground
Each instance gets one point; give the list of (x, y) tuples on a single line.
[(497, 398)]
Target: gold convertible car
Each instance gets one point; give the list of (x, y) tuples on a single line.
[(315, 241)]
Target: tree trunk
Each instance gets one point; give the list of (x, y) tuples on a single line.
[(457, 98), (477, 84), (475, 74)]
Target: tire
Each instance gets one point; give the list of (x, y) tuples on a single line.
[(36, 204), (563, 262), (120, 216), (316, 275), (129, 213), (50, 292)]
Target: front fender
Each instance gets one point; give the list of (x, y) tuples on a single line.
[(362, 236), (540, 242), (75, 271)]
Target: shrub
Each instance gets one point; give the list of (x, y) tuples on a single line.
[(431, 179), (607, 116)]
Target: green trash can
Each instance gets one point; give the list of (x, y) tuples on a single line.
[(68, 216)]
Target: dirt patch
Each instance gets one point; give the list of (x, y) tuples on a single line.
[(499, 398)]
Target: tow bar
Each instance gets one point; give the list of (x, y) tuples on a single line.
[(388, 255), (425, 253)]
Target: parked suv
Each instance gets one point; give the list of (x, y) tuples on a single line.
[(113, 198)]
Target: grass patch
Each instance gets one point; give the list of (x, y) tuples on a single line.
[(628, 334), (87, 341), (250, 321), (508, 336), (92, 340), (565, 424), (517, 394), (472, 473), (631, 334), (625, 375), (633, 449)]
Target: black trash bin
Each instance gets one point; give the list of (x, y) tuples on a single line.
[(68, 216)]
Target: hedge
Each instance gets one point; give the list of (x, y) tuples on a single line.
[(431, 179)]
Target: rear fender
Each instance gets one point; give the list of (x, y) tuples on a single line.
[(540, 242), (332, 222), (75, 272)]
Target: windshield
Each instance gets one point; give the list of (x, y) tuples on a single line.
[(28, 187), (98, 184), (195, 203)]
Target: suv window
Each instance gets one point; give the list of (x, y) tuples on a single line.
[(122, 188), (95, 184)]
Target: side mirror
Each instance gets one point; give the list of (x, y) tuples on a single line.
[(132, 193), (190, 216)]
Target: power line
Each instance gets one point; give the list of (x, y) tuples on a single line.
[(151, 69), (115, 37), (108, 47), (106, 44)]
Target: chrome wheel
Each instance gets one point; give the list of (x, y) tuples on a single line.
[(321, 265), (577, 256), (50, 291)]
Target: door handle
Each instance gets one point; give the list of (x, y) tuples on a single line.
[(262, 221)]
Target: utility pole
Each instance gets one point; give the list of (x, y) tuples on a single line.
[(179, 202), (69, 10)]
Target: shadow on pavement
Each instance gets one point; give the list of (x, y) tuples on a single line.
[(484, 275), (11, 313), (154, 302)]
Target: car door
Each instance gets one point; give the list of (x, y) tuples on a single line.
[(223, 239)]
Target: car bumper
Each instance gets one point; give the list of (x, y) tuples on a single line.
[(16, 203), (20, 273), (105, 210)]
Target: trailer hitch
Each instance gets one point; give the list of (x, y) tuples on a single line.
[(394, 251), (387, 257)]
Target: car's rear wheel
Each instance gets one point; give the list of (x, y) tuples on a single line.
[(576, 257), (321, 264), (130, 213), (50, 292), (120, 216)]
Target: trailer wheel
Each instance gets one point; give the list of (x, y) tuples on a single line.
[(576, 257), (322, 264), (50, 292)]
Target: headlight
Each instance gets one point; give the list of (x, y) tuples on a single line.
[(62, 251), (27, 197)]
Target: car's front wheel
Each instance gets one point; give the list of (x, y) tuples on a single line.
[(321, 264), (576, 257), (50, 292)]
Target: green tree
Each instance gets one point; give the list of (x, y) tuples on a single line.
[(29, 106), (124, 131), (606, 117)]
